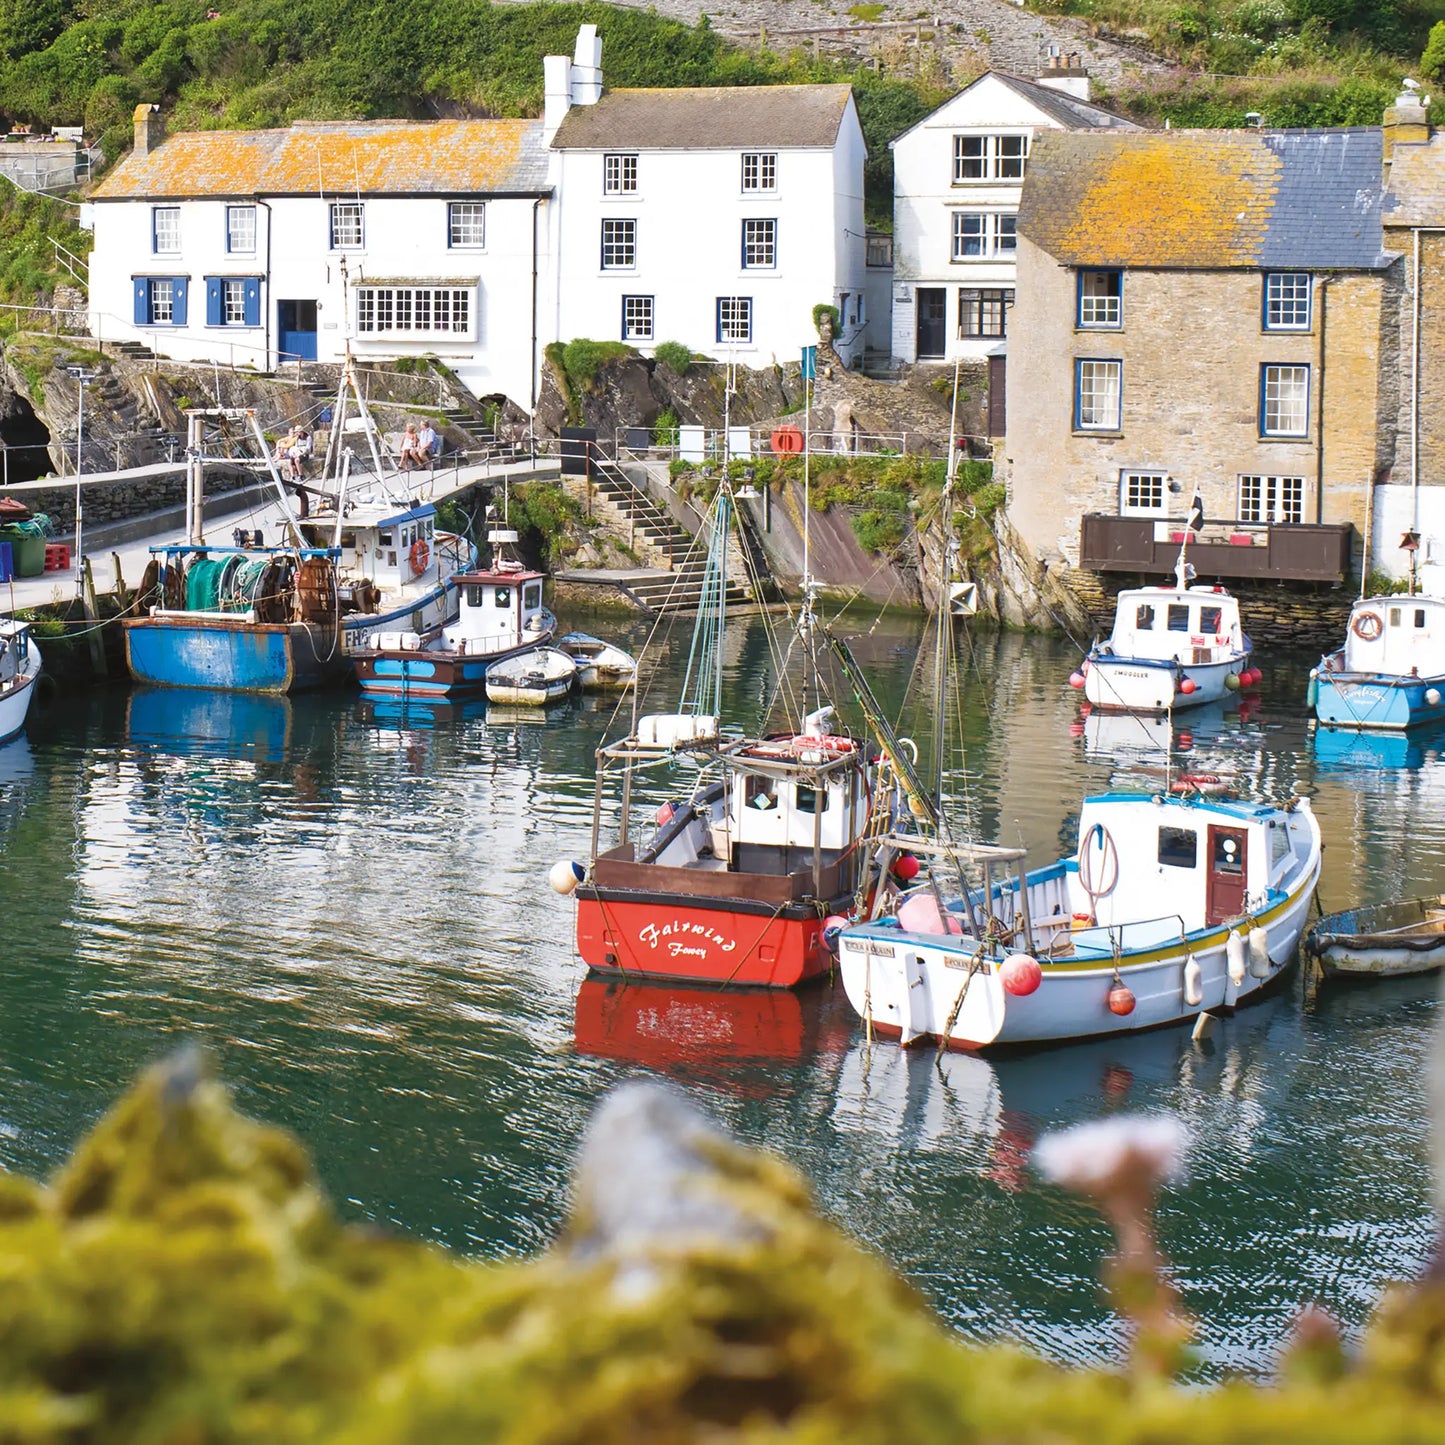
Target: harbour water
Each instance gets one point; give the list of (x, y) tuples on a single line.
[(348, 904)]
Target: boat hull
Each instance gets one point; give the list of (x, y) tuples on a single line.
[(232, 654), (423, 674), (1384, 941), (1376, 700), (14, 705), (731, 941), (913, 986), (1131, 684)]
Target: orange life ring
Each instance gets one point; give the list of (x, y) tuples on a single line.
[(830, 744), (420, 555), (1367, 626), (1198, 783)]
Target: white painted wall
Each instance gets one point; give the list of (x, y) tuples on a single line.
[(406, 242), (1395, 514)]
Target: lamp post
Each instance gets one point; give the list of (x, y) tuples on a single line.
[(81, 376)]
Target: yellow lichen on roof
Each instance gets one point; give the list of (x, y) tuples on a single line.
[(1175, 198), (376, 158)]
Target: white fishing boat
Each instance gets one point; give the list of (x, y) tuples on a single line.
[(1172, 905), (599, 664), (532, 678), (19, 667), (1382, 941)]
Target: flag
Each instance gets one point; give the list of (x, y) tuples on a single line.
[(1196, 514)]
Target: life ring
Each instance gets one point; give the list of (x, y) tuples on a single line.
[(1198, 783), (1367, 626), (420, 555), (830, 744)]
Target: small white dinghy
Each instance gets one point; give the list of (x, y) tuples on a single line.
[(531, 679), (1383, 941), (19, 667), (599, 664)]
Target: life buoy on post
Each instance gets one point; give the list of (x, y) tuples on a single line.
[(787, 440), (1367, 626), (420, 555)]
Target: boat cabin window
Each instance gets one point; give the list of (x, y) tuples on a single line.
[(1178, 847), (1278, 843), (503, 597), (475, 595), (1419, 617), (759, 792), (1394, 617), (1227, 857), (808, 799), (1144, 617), (532, 597), (1178, 617), (1210, 618), (384, 538)]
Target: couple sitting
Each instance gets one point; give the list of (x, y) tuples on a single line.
[(419, 448), (291, 453)]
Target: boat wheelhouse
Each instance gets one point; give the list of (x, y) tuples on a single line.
[(1170, 906), (1390, 673), (1170, 648)]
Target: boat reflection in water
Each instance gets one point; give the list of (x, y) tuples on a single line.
[(1351, 748), (423, 713), (704, 1034), (253, 726), (1129, 737)]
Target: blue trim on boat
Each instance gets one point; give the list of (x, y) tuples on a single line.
[(1376, 699)]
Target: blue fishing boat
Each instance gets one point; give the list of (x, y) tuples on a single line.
[(1391, 671)]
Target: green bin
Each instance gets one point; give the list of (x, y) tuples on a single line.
[(28, 549)]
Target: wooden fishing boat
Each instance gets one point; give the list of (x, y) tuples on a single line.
[(532, 678), (599, 664), (19, 667), (1382, 940), (1390, 673)]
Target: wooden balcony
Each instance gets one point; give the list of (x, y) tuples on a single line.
[(1282, 552)]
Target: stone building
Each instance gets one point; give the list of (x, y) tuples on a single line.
[(1210, 312)]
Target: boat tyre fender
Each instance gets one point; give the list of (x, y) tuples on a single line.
[(1367, 625), (420, 555)]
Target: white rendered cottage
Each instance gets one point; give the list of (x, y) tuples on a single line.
[(716, 217), (261, 247), (957, 179)]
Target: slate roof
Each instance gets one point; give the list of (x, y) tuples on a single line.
[(1196, 199), (487, 157), (1058, 105), (1417, 184), (730, 117)]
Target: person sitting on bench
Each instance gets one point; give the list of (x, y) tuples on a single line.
[(429, 443)]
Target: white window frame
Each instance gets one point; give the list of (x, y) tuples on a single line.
[(760, 172), (419, 310), (160, 299), (233, 301), (1002, 156), (619, 243), (466, 225), (1284, 399), (619, 173), (997, 235), (737, 329), (1093, 393), (1288, 301), (241, 230), (347, 219), (639, 318), (1100, 312), (1271, 500), (166, 230), (760, 244), (1143, 492)]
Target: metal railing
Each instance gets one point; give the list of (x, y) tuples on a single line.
[(641, 444)]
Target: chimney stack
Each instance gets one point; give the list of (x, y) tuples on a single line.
[(1407, 122), (150, 128), (1065, 73)]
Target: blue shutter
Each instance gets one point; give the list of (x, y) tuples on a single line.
[(215, 314), (142, 301), (252, 295), (178, 290)]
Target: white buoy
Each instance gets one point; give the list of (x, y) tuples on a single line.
[(1259, 964), (1432, 696), (1234, 954), (565, 875), (1193, 982)]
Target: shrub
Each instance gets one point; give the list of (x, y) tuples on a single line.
[(824, 309), (883, 524), (664, 429), (867, 14), (674, 356), (583, 358)]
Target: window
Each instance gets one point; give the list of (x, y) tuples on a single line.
[(619, 175), (1142, 494), (879, 250), (760, 244), (760, 171), (1144, 618), (502, 596), (427, 309), (1228, 856), (811, 800), (1101, 298), (1284, 399), (979, 234), (166, 230), (1287, 301), (1178, 847), (989, 158), (466, 223), (241, 230), (619, 244), (346, 225), (1271, 499), (233, 300), (637, 318), (160, 300), (1098, 392), (1210, 619), (1177, 618), (734, 318), (983, 313)]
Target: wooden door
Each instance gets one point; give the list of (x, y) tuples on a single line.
[(932, 322), (1228, 867), (997, 374)]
